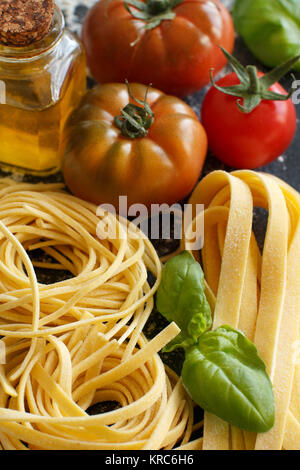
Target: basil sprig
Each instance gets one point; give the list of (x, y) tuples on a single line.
[(222, 370), (181, 298)]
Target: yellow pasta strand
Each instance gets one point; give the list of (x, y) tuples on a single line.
[(79, 342), (258, 293)]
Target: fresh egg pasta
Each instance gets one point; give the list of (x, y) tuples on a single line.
[(258, 293), (79, 341)]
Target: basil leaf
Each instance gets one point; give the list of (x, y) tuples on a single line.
[(181, 298), (181, 341), (270, 29), (225, 376)]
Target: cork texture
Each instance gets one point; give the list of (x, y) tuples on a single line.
[(23, 22)]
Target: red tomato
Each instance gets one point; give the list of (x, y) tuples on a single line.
[(175, 56), (247, 140)]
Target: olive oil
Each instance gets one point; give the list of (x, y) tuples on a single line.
[(40, 85)]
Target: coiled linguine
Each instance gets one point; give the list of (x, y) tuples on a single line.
[(77, 342)]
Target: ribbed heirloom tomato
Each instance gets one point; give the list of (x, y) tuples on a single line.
[(171, 44), (133, 142)]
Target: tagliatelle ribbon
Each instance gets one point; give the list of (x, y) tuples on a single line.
[(259, 293)]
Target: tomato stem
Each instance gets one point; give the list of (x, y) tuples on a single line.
[(135, 119), (253, 89), (152, 12), (155, 7)]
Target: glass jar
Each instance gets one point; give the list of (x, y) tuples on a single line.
[(40, 85)]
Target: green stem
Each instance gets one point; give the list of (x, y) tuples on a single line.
[(254, 86), (156, 7), (253, 89), (152, 12), (135, 119)]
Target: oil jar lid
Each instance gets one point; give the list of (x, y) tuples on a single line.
[(23, 22)]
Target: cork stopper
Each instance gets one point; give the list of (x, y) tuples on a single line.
[(23, 22)]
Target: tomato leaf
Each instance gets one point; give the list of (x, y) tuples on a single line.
[(252, 89), (225, 376), (239, 69), (250, 102)]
